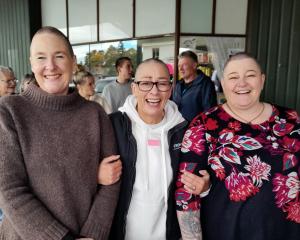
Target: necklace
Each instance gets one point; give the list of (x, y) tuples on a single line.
[(244, 120)]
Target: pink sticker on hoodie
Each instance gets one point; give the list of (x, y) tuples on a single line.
[(153, 142)]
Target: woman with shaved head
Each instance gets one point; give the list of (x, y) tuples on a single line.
[(49, 162)]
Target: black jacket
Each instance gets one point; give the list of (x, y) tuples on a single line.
[(128, 151), (196, 98)]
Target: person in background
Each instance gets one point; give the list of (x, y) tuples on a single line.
[(116, 92), (195, 92), (27, 79), (85, 83), (7, 81), (252, 151), (149, 129), (7, 87), (50, 153)]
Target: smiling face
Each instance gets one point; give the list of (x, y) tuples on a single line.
[(242, 83), (51, 62), (7, 83), (150, 104)]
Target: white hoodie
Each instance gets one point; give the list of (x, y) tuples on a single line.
[(146, 218)]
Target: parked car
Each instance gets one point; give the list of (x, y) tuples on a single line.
[(101, 83)]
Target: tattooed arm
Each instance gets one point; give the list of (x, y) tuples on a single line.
[(190, 226), (193, 158)]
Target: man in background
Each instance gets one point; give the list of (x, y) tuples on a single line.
[(196, 92), (116, 92)]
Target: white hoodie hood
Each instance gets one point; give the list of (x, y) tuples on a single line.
[(172, 115), (153, 172)]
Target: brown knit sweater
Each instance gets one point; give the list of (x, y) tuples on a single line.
[(50, 149)]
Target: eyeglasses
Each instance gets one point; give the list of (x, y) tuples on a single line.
[(9, 81), (146, 86)]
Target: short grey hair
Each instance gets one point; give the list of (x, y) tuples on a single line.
[(79, 77), (6, 69), (242, 55)]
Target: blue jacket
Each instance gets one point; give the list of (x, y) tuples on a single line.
[(196, 98), (128, 150)]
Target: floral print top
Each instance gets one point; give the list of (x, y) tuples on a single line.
[(254, 170)]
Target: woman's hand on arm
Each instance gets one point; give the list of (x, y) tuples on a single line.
[(196, 184), (189, 220), (110, 170)]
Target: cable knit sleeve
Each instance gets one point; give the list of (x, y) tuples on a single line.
[(99, 221), (22, 209)]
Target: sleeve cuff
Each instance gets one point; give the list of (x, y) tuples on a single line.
[(204, 194)]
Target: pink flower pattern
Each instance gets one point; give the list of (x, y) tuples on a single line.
[(259, 171), (193, 140), (240, 186), (183, 197), (281, 189), (293, 209), (217, 166), (286, 188)]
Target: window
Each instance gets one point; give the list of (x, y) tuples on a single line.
[(82, 21), (100, 58), (155, 17), (54, 14), (196, 16), (115, 19), (228, 21)]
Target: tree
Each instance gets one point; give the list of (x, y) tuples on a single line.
[(132, 54), (106, 59), (94, 59), (111, 56), (121, 49)]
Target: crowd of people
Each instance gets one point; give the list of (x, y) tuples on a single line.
[(166, 163)]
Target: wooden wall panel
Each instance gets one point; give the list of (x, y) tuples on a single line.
[(273, 36), (293, 80), (15, 35)]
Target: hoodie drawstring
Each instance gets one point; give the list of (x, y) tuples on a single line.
[(164, 163), (146, 165)]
